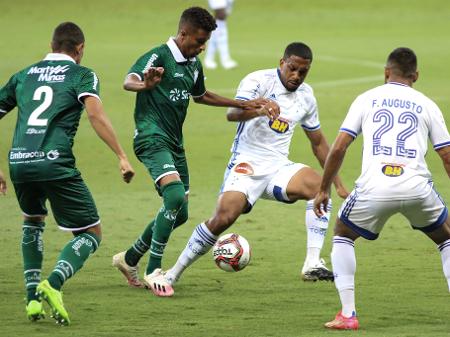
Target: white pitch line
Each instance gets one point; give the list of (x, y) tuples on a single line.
[(327, 58), (324, 84)]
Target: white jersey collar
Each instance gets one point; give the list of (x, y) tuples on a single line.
[(58, 57), (176, 52)]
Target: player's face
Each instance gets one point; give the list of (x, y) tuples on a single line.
[(293, 71), (193, 41)]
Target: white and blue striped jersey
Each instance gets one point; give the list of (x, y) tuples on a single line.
[(396, 122), (268, 141)]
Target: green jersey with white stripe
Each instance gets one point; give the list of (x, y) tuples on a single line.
[(48, 95), (160, 112)]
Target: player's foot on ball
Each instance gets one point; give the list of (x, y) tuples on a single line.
[(35, 311), (54, 299), (341, 322), (316, 272), (130, 273), (159, 285)]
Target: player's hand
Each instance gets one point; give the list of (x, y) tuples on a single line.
[(321, 203), (254, 104), (152, 77), (271, 109), (126, 170), (342, 191), (2, 183)]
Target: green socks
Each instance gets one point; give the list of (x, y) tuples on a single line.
[(174, 198), (72, 258), (32, 252)]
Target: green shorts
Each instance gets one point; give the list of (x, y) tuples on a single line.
[(70, 200), (161, 160)]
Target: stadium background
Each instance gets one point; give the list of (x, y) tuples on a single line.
[(400, 287)]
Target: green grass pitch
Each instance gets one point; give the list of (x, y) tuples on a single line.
[(401, 290)]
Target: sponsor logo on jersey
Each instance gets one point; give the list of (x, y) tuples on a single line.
[(178, 75), (168, 166), (150, 62), (26, 155), (279, 125), (244, 168), (392, 170), (177, 94), (52, 154), (33, 131), (273, 97), (49, 73)]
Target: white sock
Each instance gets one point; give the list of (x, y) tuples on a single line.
[(222, 40), (212, 47), (344, 267), (444, 249), (316, 231), (199, 243)]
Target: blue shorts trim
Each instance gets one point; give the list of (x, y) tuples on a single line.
[(277, 193), (435, 225), (361, 231)]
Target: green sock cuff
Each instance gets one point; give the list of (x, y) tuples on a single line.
[(171, 185), (92, 237), (30, 224)]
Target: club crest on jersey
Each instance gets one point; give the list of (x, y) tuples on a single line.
[(244, 168), (279, 125), (392, 170)]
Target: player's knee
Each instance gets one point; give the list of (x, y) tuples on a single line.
[(173, 195), (182, 216)]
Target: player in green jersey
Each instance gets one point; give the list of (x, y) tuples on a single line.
[(164, 79), (50, 96)]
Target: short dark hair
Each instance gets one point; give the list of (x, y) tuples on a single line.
[(402, 61), (298, 49), (66, 37), (198, 17)]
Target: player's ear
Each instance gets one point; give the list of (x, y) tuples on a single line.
[(387, 74), (281, 62), (415, 76)]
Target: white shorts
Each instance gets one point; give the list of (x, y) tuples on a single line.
[(367, 217), (219, 4), (272, 186)]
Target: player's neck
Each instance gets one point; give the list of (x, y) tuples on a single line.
[(401, 80)]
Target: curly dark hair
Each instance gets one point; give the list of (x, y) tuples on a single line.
[(198, 17), (298, 49)]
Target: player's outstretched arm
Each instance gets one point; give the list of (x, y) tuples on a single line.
[(332, 165), (2, 183), (104, 129), (259, 107), (321, 149), (444, 153), (152, 77)]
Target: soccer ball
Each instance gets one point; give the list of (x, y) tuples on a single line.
[(232, 252)]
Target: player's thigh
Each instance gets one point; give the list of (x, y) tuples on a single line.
[(31, 197), (428, 214), (292, 182), (72, 204), (366, 217), (240, 178)]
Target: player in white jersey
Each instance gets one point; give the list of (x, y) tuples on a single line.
[(218, 43), (396, 122), (259, 166)]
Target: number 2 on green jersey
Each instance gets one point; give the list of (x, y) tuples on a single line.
[(47, 92)]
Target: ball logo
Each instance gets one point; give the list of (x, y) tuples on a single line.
[(279, 125), (392, 170), (244, 168)]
